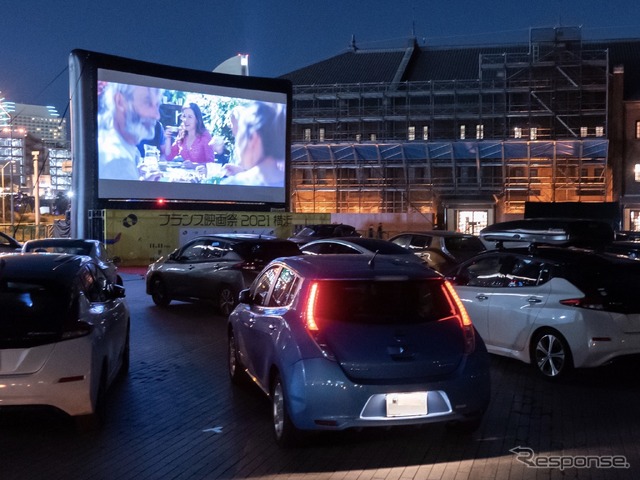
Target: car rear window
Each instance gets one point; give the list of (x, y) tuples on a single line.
[(266, 251), (464, 245), (32, 312), (382, 302)]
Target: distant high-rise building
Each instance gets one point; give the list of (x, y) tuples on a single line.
[(42, 122)]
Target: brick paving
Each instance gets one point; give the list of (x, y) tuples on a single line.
[(176, 416)]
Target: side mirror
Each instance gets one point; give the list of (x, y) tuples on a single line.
[(245, 297), (115, 291)]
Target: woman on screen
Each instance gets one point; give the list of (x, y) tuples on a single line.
[(259, 147), (192, 140)]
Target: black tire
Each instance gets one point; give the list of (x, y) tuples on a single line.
[(551, 355), (466, 426), (159, 293), (227, 300), (126, 356), (235, 366), (95, 421), (285, 432)]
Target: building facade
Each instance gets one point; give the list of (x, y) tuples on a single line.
[(27, 133), (468, 135)]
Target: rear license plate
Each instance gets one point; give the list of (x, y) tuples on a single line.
[(406, 404)]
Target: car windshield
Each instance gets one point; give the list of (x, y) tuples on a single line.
[(382, 302), (32, 311)]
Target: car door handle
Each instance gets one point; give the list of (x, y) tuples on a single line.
[(482, 297), (534, 300)]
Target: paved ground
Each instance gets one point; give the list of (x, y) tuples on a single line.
[(176, 416)]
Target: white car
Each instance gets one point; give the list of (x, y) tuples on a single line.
[(554, 307), (76, 246), (64, 334)]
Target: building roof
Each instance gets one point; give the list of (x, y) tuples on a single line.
[(415, 63)]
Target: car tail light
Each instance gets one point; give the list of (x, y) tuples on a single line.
[(591, 303), (75, 330), (311, 324), (463, 316)]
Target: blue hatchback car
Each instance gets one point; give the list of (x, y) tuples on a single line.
[(344, 341)]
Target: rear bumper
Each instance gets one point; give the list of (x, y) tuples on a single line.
[(321, 397), (63, 382)]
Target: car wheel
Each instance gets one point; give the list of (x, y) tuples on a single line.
[(95, 420), (550, 355), (126, 357), (286, 433), (227, 299), (466, 426), (235, 365), (159, 293)]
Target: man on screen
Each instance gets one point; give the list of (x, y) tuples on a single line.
[(260, 147), (129, 114)]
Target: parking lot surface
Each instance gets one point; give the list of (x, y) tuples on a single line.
[(176, 416)]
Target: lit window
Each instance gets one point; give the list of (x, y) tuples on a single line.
[(307, 134), (480, 132), (425, 132), (517, 132), (463, 132), (638, 129), (411, 133), (533, 133), (599, 131), (636, 172), (584, 131), (321, 135)]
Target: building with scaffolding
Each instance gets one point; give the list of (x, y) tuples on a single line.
[(466, 136)]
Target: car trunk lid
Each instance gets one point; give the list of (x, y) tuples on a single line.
[(390, 331)]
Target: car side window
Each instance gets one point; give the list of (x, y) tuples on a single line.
[(312, 249), (528, 272), (193, 252), (260, 290), (402, 240), (490, 271), (420, 242), (336, 248), (93, 283), (284, 289)]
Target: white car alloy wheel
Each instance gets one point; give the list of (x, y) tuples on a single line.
[(551, 354)]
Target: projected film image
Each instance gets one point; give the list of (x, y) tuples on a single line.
[(188, 143)]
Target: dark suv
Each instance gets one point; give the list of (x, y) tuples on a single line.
[(213, 267), (440, 249)]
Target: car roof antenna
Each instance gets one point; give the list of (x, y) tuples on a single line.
[(372, 261)]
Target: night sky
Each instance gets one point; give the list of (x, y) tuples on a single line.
[(36, 36)]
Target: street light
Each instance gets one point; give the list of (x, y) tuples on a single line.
[(4, 219)]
